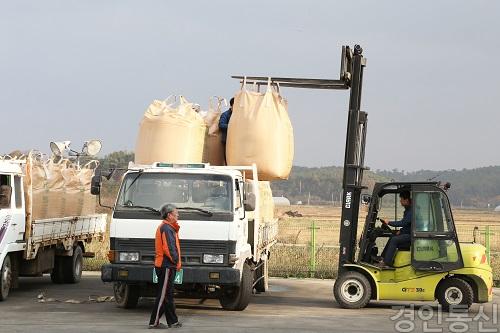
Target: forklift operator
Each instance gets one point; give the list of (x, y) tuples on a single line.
[(402, 238)]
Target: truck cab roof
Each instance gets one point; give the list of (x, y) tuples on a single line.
[(11, 166), (198, 168)]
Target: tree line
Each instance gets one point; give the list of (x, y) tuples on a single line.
[(475, 188)]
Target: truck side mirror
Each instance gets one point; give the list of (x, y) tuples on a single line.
[(95, 185), (249, 202), (366, 199)]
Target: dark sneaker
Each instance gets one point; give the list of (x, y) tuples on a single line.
[(158, 326), (176, 325)]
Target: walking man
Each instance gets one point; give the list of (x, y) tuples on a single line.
[(167, 262)]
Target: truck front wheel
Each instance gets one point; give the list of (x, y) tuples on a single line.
[(126, 295), (237, 298), (5, 278)]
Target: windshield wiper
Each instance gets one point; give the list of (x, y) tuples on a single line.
[(143, 207), (139, 173), (209, 213)]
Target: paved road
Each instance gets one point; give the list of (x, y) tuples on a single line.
[(291, 306)]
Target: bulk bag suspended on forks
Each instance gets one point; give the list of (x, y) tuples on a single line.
[(170, 133), (260, 132)]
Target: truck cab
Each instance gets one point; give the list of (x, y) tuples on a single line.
[(221, 245), (12, 222)]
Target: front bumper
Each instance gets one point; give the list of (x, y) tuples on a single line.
[(192, 274)]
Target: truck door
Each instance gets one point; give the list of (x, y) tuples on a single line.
[(18, 211), (434, 239)]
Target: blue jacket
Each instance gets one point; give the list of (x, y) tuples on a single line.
[(167, 248), (405, 223), (224, 123)]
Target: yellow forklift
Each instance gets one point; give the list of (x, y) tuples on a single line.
[(434, 265)]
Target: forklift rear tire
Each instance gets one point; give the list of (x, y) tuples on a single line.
[(455, 292), (352, 290)]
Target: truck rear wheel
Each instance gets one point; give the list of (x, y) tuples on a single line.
[(5, 278), (126, 295), (237, 298), (352, 290), (57, 274), (262, 277), (455, 292), (73, 266)]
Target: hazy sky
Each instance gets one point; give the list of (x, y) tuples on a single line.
[(88, 69)]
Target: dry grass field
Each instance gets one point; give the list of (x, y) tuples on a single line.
[(461, 216), (292, 255)]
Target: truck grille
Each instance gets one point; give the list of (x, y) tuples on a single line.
[(191, 250)]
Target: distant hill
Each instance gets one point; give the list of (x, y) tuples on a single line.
[(470, 187), (474, 188)]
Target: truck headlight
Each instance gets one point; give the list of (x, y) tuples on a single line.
[(213, 258), (129, 256)]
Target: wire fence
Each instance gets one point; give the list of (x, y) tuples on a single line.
[(310, 247)]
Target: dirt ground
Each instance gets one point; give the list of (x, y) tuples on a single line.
[(292, 305)]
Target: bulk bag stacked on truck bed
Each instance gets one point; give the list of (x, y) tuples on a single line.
[(170, 133), (266, 202), (260, 132), (77, 197), (59, 188), (54, 196), (213, 151)]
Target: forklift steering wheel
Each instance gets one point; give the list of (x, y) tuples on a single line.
[(386, 227)]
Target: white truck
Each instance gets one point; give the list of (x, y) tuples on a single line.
[(33, 247), (225, 244)]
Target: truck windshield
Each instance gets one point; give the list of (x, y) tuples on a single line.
[(194, 192)]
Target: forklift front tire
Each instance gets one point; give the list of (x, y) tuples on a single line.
[(352, 290)]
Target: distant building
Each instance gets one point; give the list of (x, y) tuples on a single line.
[(497, 209), (281, 201)]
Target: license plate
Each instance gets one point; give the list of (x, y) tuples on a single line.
[(178, 277), (155, 277)]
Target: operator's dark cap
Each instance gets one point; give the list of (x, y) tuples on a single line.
[(165, 209)]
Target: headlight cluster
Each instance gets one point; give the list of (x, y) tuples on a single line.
[(213, 258), (129, 256)]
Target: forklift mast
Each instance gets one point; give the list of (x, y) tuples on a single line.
[(351, 77)]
